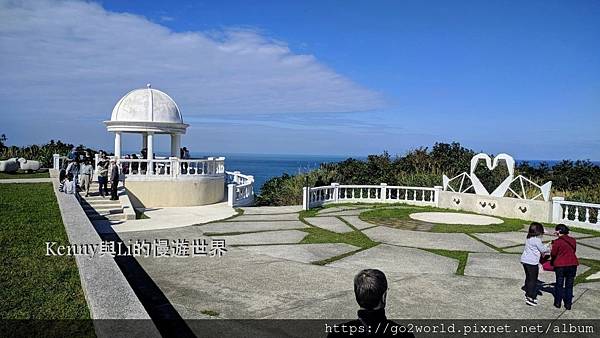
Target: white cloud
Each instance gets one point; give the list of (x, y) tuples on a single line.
[(75, 59)]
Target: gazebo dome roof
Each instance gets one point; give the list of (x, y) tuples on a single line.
[(146, 105), (146, 110)]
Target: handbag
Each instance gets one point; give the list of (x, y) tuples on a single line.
[(546, 263)]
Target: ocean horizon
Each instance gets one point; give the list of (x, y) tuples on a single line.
[(266, 166)]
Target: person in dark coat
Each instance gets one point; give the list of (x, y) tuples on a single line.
[(370, 290), (114, 180), (564, 260)]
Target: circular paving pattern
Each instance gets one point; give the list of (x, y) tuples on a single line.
[(455, 218)]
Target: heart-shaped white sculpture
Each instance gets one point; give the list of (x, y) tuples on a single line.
[(491, 165)]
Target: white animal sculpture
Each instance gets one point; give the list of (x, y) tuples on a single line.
[(29, 164), (9, 166)]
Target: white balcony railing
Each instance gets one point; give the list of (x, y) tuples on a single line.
[(382, 193), (171, 167), (240, 189), (580, 214)]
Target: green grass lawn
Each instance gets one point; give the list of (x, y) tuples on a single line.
[(396, 216), (22, 174), (318, 235), (33, 286)]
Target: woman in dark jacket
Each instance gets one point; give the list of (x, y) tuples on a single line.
[(565, 265)]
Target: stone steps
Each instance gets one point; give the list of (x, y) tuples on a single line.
[(98, 208), (110, 217)]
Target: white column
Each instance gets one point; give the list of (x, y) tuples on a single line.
[(56, 161), (305, 202), (436, 195), (175, 145), (150, 147), (336, 191), (118, 144), (557, 210), (231, 194)]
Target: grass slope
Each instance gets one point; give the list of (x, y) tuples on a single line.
[(32, 285)]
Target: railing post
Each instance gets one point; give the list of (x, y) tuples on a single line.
[(210, 165), (174, 166), (251, 179), (557, 211), (305, 198), (231, 194), (383, 191), (336, 192), (436, 195), (56, 161)]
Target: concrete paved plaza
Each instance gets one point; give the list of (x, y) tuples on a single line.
[(269, 270)]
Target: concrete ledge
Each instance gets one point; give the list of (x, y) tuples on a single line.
[(128, 209), (107, 292)]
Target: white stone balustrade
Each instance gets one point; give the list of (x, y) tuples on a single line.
[(172, 167), (584, 215), (369, 194), (240, 189)]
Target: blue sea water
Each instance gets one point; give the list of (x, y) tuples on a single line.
[(264, 167)]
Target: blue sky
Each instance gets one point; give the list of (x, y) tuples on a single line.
[(316, 77)]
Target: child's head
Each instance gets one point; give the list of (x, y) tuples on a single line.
[(535, 230), (70, 176)]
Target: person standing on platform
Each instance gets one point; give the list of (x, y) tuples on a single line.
[(85, 173), (114, 180), (103, 175)]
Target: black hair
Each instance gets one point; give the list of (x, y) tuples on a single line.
[(70, 176), (535, 229), (369, 287), (562, 229)]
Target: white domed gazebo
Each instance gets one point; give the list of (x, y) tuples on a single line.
[(147, 111), (169, 182)]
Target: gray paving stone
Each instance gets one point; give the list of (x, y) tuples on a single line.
[(584, 306), (443, 296), (582, 251), (252, 290), (503, 239), (595, 242), (590, 286), (288, 209), (329, 223), (264, 217), (357, 222), (226, 227), (394, 260), (427, 240), (499, 265), (305, 253), (269, 237)]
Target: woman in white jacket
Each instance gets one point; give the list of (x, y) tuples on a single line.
[(534, 249)]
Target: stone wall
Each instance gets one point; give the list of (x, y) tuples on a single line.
[(529, 210), (154, 193)]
